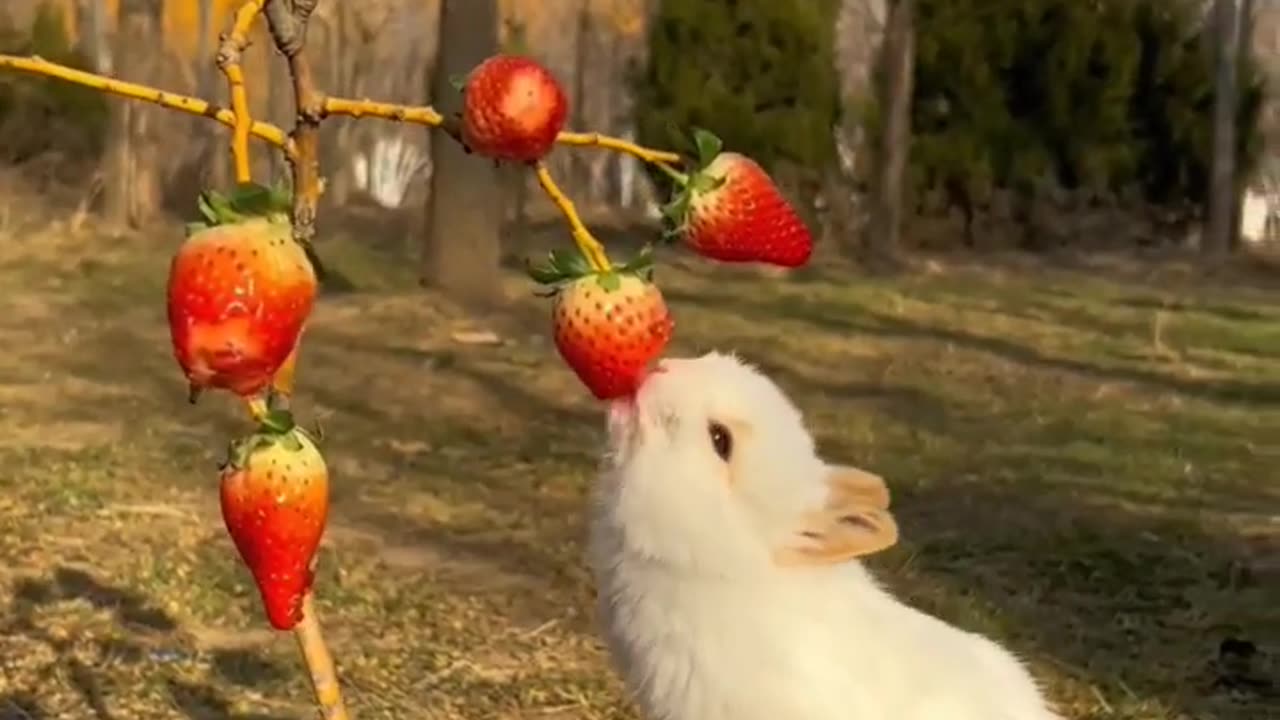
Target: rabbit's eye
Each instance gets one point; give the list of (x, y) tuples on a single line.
[(721, 440)]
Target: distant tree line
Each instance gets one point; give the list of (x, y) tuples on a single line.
[(1033, 101)]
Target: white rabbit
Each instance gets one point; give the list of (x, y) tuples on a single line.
[(724, 551)]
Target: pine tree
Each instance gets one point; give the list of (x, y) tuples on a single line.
[(758, 73)]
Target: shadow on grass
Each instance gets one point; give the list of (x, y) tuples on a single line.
[(1133, 605), (860, 320), (146, 639), (22, 706)]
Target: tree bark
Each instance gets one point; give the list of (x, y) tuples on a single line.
[(132, 196), (461, 248), (898, 57), (1217, 241)]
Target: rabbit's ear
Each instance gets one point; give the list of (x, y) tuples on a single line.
[(855, 521)]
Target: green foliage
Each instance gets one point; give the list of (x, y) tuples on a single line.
[(39, 115), (1102, 97), (758, 73)]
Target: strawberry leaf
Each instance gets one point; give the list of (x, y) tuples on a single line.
[(571, 263), (708, 146), (277, 422), (459, 82), (291, 442), (543, 273), (609, 281), (195, 227), (253, 199), (703, 182), (239, 450), (222, 207), (641, 262), (678, 208), (205, 207)]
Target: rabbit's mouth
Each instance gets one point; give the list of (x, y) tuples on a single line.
[(623, 419)]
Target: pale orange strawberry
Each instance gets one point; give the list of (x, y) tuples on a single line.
[(512, 109), (609, 326), (730, 210)]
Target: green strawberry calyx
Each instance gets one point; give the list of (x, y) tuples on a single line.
[(563, 267), (246, 201), (675, 214), (277, 427)]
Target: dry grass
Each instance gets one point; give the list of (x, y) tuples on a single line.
[(1085, 468)]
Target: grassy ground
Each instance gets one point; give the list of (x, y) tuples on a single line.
[(1085, 467)]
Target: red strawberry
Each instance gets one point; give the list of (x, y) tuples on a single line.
[(240, 290), (275, 502), (731, 210), (512, 109), (608, 326)]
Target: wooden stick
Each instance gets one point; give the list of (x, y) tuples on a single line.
[(324, 677)]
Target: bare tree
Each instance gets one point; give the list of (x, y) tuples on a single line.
[(1223, 196), (461, 244), (898, 58)]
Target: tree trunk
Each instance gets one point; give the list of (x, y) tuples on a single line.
[(216, 147), (94, 36), (581, 175), (1244, 51), (348, 79), (1217, 241), (132, 196), (461, 244), (204, 53), (898, 58)]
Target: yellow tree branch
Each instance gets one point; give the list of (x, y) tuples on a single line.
[(644, 154), (418, 115), (427, 115), (590, 247), (229, 52), (174, 101)]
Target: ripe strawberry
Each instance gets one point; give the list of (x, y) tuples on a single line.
[(512, 109), (731, 210), (607, 326), (275, 503), (240, 289)]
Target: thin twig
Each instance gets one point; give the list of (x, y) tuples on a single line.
[(582, 237), (229, 52), (190, 105), (661, 158), (419, 115), (324, 677)]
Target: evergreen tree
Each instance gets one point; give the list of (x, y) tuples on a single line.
[(757, 73), (1099, 97)]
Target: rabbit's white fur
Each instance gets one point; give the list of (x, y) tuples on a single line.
[(702, 620)]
